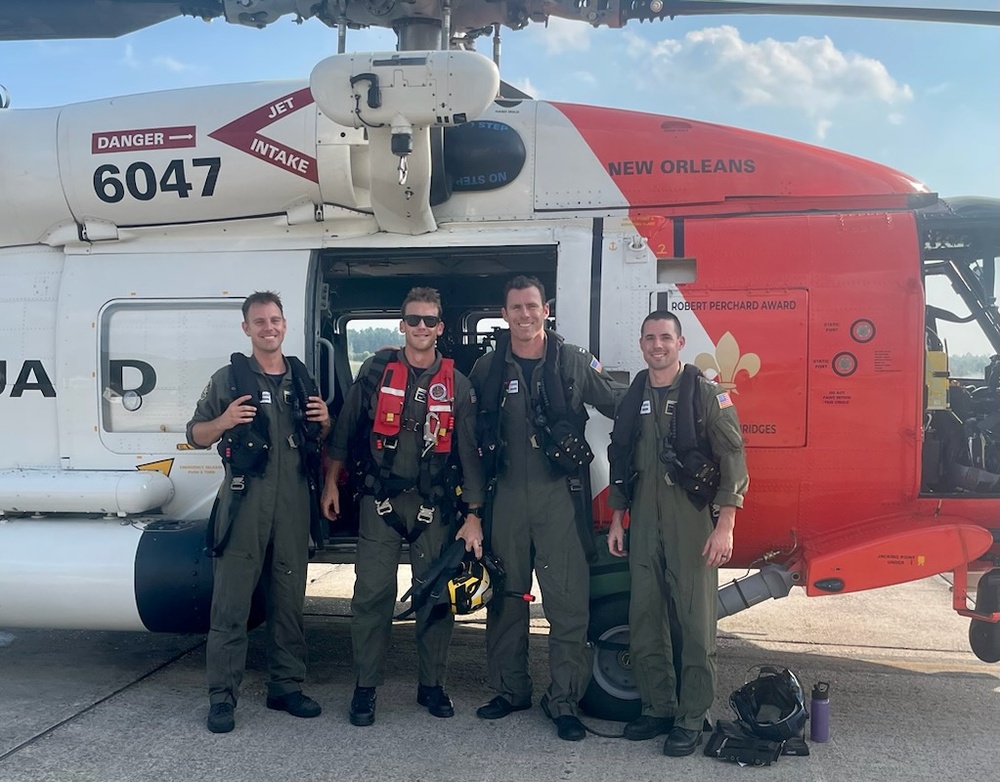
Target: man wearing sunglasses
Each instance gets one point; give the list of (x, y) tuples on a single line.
[(407, 432)]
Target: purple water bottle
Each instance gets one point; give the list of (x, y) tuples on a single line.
[(819, 713)]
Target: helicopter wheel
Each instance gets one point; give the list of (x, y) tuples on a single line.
[(611, 694), (984, 637)]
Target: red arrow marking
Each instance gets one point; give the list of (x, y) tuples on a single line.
[(242, 134)]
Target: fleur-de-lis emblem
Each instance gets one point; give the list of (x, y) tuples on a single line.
[(727, 363)]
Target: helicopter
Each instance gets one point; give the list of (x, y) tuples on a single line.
[(132, 228)]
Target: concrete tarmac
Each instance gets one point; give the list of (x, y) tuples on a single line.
[(909, 701)]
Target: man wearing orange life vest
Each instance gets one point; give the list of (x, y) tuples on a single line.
[(407, 422)]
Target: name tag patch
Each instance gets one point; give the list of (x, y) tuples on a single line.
[(265, 397), (647, 407), (512, 386)]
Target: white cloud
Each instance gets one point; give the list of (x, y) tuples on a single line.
[(525, 86), (128, 59), (175, 66), (808, 75), (162, 62), (563, 35)]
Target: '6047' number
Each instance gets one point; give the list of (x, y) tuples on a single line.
[(142, 183)]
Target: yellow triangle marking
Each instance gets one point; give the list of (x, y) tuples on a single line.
[(164, 466)]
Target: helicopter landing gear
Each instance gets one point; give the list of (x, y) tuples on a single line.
[(984, 637)]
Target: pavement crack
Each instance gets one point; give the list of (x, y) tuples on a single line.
[(86, 709)]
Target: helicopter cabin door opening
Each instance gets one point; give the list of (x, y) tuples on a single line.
[(961, 448)]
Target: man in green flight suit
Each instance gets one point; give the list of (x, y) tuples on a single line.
[(535, 526), (417, 422), (673, 549), (268, 539)]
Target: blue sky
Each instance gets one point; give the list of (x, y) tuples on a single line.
[(921, 97)]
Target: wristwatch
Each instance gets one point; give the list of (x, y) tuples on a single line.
[(477, 512)]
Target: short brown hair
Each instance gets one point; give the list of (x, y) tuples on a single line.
[(425, 295), (261, 297), (522, 282), (661, 315)]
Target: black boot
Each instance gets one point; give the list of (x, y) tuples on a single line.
[(363, 706), (436, 700)]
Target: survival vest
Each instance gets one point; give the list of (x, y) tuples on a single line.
[(561, 427), (245, 448), (439, 422), (561, 431), (687, 456), (438, 476)]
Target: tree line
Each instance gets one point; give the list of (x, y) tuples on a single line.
[(364, 342), (967, 365)]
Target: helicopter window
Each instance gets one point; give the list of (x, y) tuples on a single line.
[(951, 327), (156, 357), (485, 327), (367, 335)]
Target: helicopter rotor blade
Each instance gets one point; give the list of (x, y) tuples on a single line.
[(54, 19), (38, 20), (660, 9)]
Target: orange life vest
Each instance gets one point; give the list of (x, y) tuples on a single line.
[(439, 398)]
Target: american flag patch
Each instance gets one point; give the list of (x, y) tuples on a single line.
[(595, 365), (724, 401)]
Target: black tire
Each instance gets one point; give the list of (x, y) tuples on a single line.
[(984, 638), (611, 694)]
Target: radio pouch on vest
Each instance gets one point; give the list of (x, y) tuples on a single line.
[(699, 477), (566, 449)]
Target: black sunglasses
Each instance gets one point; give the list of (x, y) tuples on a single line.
[(430, 321)]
